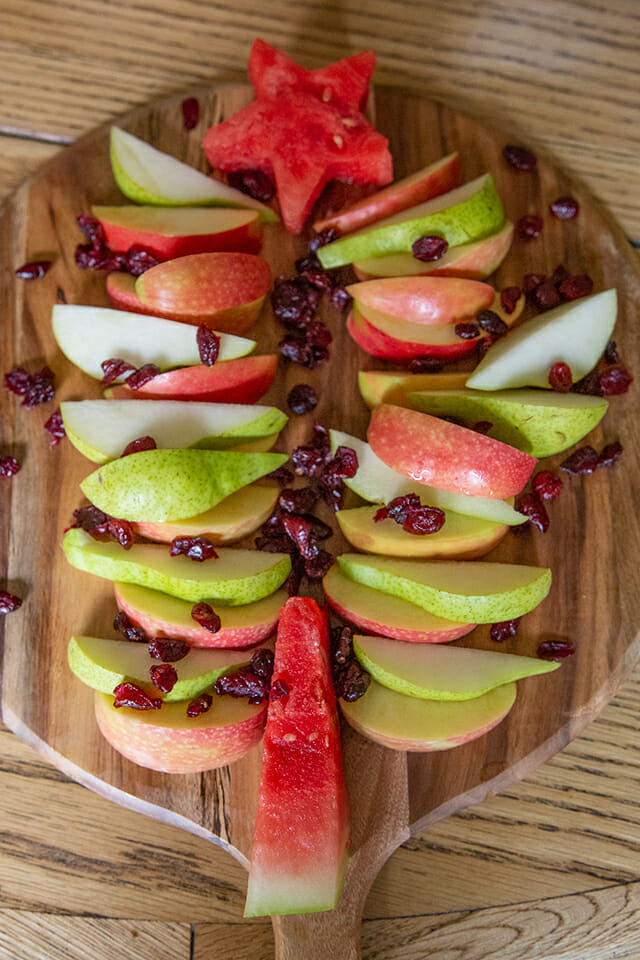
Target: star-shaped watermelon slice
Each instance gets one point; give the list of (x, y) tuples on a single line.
[(304, 128)]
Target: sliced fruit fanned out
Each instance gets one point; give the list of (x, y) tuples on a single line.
[(435, 341), (422, 300)]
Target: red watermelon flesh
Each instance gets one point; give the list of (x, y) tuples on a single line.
[(301, 833)]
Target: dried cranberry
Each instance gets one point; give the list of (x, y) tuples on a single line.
[(317, 567), (556, 649), (298, 501), (340, 299), (190, 113), (138, 446), (294, 347), (352, 681), (137, 260), (295, 301), (121, 532), (425, 365), (427, 249), (532, 506), (491, 323), (40, 390), (610, 455), (204, 615), (142, 375), (483, 344), (560, 378), (92, 229), (317, 334), (509, 298), (255, 183), (196, 548), (262, 662), (589, 384), (575, 287), (545, 296), (282, 475), (611, 354), (243, 683), (89, 518), (55, 428), (503, 631), (129, 630), (33, 270), (346, 462), (200, 705), (560, 274), (308, 460), (529, 227), (129, 694), (565, 208), (582, 461), (341, 644), (163, 676), (424, 520), (399, 508), (208, 345), (115, 369), (168, 649), (467, 331), (9, 466), (482, 426), (279, 689), (328, 235), (299, 530), (312, 270), (615, 381), (293, 581), (519, 157), (17, 381), (547, 485), (9, 602), (532, 280)]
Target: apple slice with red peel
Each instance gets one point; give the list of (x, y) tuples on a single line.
[(378, 612), (445, 455), (383, 386), (121, 288), (421, 726), (244, 380), (475, 261), (439, 672), (160, 614), (461, 536), (421, 300), (429, 182), (168, 232), (434, 341), (171, 742)]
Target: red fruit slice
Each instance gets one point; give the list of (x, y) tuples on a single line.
[(243, 380), (378, 343), (301, 833)]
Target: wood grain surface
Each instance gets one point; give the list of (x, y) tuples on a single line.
[(584, 802)]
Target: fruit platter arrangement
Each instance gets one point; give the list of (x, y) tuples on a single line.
[(318, 471)]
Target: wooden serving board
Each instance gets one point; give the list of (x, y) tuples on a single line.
[(591, 545)]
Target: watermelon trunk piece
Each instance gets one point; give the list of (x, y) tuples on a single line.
[(301, 836)]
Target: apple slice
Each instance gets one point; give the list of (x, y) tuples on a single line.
[(421, 300), (378, 483), (429, 182), (537, 422), (378, 612), (168, 232), (161, 485), (382, 386), (445, 455), (236, 577), (476, 591), (171, 742), (103, 664), (461, 536), (468, 213), (422, 726), (401, 341), (137, 339), (575, 333), (244, 380), (238, 515), (101, 429), (160, 614), (437, 672), (147, 175), (476, 261)]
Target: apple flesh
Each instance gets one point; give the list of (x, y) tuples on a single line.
[(446, 455), (169, 741), (475, 591), (422, 300), (437, 672), (538, 422), (162, 615), (236, 577), (421, 726), (378, 612), (382, 386), (244, 380), (431, 181), (400, 341)]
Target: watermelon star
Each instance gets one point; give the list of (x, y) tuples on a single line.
[(304, 128)]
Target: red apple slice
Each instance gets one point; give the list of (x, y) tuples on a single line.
[(446, 455), (169, 232), (424, 300), (244, 380), (435, 341), (432, 181)]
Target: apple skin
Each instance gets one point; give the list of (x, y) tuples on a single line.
[(429, 182), (475, 261), (244, 380), (383, 386), (169, 232), (170, 742), (379, 343), (446, 455), (423, 300), (160, 614), (380, 613)]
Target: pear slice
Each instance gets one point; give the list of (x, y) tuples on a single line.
[(434, 671), (236, 577), (421, 726), (537, 422), (102, 664), (164, 485), (379, 483), (384, 386), (475, 591), (575, 333), (147, 175), (101, 429), (88, 335)]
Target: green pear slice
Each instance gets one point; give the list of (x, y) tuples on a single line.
[(537, 422), (421, 726), (467, 213), (575, 333), (102, 664), (475, 591), (147, 175), (236, 577), (101, 429), (433, 671), (379, 483), (88, 335), (162, 485)]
